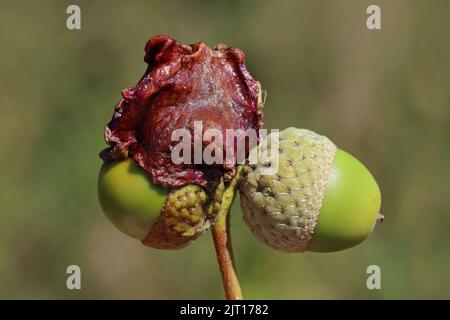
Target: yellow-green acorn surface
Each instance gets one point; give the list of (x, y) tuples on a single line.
[(160, 218), (321, 198)]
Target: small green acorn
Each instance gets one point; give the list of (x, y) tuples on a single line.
[(320, 199), (160, 218)]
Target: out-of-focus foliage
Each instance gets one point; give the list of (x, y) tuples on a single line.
[(382, 95)]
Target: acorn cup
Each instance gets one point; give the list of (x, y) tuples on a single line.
[(320, 199)]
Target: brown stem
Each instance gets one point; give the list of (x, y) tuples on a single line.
[(224, 251), (222, 243)]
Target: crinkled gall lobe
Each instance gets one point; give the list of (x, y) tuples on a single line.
[(182, 84)]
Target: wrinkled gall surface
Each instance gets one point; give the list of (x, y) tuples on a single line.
[(183, 84)]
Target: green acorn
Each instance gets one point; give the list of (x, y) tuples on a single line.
[(160, 218), (320, 199)]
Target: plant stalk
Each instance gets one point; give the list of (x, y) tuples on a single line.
[(222, 243), (224, 251)]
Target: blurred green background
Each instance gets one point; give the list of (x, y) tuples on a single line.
[(382, 95)]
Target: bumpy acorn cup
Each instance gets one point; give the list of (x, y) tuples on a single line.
[(160, 218), (320, 199)]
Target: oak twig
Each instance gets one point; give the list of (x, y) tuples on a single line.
[(222, 243)]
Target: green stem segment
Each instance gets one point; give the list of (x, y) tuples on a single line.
[(222, 242)]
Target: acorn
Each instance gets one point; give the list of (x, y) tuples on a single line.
[(158, 217), (321, 198)]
